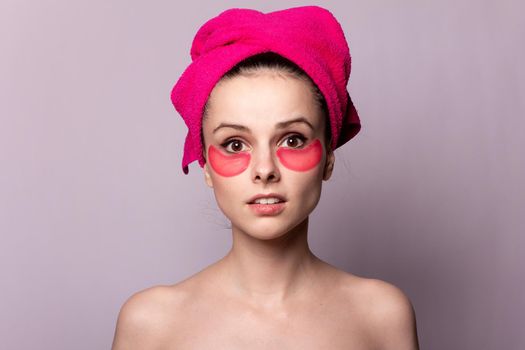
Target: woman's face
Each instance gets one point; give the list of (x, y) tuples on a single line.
[(264, 136)]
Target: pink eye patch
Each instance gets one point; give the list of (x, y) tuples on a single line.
[(228, 164), (302, 159)]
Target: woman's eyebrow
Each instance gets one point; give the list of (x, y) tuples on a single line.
[(283, 125), (233, 126), (280, 125)]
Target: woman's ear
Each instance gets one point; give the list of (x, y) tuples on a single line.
[(207, 176), (329, 165)]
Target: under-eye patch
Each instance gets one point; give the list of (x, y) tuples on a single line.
[(302, 159), (226, 164)]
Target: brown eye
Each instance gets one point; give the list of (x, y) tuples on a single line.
[(294, 141), (233, 146), (236, 146)]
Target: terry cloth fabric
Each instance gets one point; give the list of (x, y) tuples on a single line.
[(309, 36)]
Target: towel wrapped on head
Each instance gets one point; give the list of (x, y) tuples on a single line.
[(309, 36)]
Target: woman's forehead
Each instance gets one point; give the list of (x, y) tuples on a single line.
[(263, 98)]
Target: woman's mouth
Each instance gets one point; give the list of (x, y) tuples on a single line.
[(271, 200), (267, 209), (267, 204)]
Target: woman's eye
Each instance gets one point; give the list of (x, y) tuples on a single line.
[(233, 146), (294, 141)]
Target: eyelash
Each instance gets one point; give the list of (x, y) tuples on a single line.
[(227, 143)]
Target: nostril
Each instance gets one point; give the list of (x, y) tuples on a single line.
[(272, 177)]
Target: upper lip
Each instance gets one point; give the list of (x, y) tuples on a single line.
[(268, 195)]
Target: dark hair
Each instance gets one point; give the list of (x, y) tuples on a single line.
[(276, 62)]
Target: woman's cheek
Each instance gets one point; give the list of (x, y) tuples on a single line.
[(302, 159), (228, 164)]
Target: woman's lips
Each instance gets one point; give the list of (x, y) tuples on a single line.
[(268, 196), (267, 209)]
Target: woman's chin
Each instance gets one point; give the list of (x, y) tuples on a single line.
[(267, 231)]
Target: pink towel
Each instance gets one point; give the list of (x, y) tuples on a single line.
[(309, 36)]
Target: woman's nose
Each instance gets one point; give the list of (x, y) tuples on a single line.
[(265, 167)]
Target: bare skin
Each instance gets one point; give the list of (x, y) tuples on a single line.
[(337, 311), (270, 291)]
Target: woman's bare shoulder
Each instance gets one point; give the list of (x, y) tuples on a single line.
[(153, 300), (146, 316), (385, 308)]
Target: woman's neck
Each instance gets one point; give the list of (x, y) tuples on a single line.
[(270, 273)]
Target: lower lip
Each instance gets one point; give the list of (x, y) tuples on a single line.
[(267, 209)]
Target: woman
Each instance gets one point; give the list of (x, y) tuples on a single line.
[(265, 102)]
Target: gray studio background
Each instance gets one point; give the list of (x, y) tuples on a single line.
[(94, 206)]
